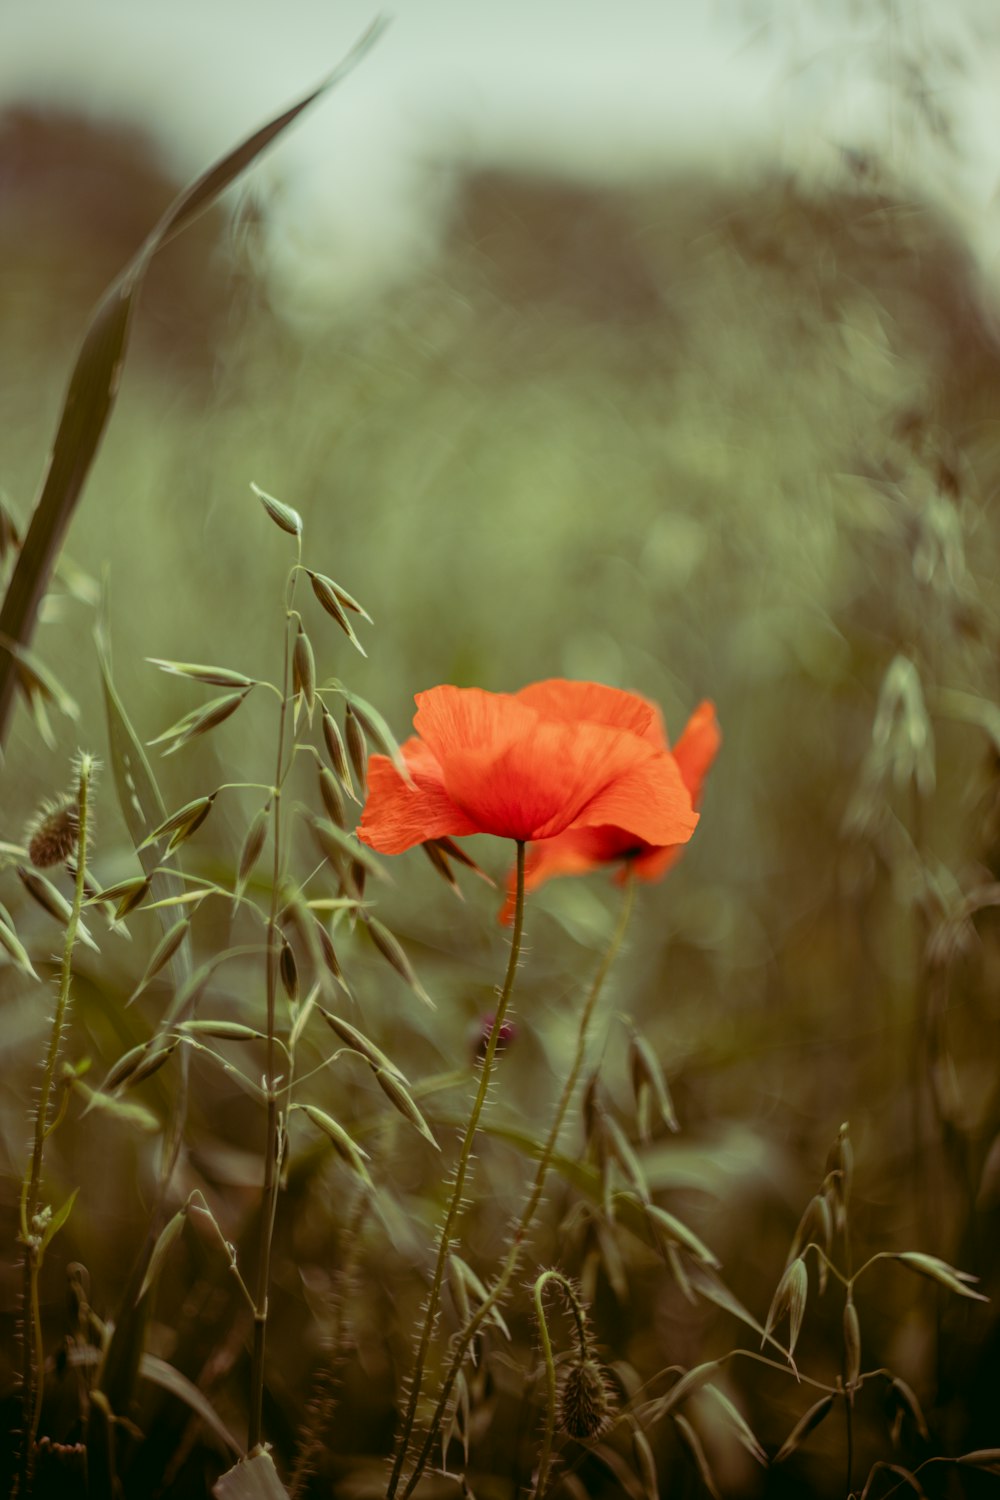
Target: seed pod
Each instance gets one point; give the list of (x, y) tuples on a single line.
[(342, 849), (223, 1031), (666, 1226), (329, 953), (357, 877), (840, 1170), (620, 1147), (214, 676), (289, 971), (451, 850), (907, 1401), (348, 1149), (253, 846), (52, 901), (282, 515), (126, 895), (441, 865), (200, 721), (12, 945), (803, 1427), (337, 752), (691, 1381), (377, 730), (401, 1099), (940, 1271), (332, 599), (358, 1042), (790, 1296), (391, 950), (304, 670), (591, 1109), (356, 747), (332, 797), (45, 893), (162, 954), (649, 1086), (181, 820), (138, 1064)]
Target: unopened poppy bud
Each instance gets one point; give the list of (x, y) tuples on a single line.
[(484, 1030), (52, 833), (585, 1401)]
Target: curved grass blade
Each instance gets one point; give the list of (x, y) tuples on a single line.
[(96, 376)]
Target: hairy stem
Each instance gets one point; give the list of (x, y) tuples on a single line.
[(444, 1239), (569, 1291), (31, 1232), (510, 1266)]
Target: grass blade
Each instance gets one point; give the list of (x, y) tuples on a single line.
[(96, 376)]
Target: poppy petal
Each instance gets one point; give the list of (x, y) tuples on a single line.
[(397, 816), (451, 719), (560, 698), (650, 801), (697, 747)]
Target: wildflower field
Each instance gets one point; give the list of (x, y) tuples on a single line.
[(583, 1080)]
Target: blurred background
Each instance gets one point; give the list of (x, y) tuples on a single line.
[(636, 347)]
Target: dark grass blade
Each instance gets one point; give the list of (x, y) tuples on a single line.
[(94, 383)]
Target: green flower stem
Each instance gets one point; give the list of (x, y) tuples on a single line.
[(30, 1231), (569, 1291), (510, 1266), (274, 1133), (444, 1239)]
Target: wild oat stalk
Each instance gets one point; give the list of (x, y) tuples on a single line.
[(512, 1262), (444, 1238), (38, 1225), (274, 1142)]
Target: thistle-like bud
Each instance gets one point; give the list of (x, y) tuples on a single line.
[(586, 1401), (52, 833)]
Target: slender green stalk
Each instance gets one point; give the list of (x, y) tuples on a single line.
[(510, 1266), (31, 1228), (444, 1239), (569, 1290), (273, 1144)]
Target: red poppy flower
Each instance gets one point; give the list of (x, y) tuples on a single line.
[(579, 850), (530, 765)]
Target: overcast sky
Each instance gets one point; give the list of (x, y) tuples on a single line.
[(598, 88)]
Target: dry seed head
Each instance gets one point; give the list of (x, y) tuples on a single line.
[(586, 1401), (356, 747), (289, 971), (337, 752), (333, 797), (52, 833), (304, 669)]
